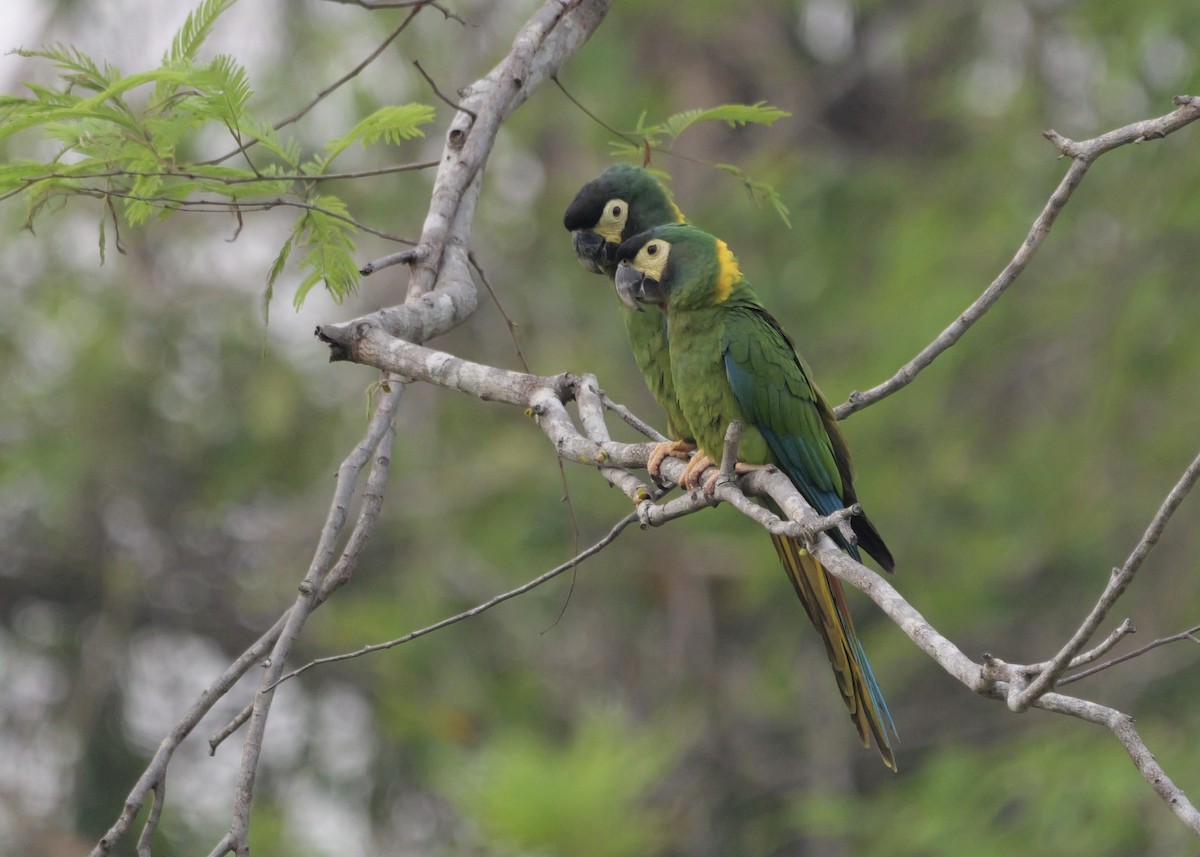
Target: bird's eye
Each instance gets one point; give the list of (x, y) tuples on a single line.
[(651, 249), (616, 211)]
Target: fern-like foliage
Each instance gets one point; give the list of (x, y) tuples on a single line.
[(392, 124), (645, 138), (324, 231), (129, 139), (195, 30)]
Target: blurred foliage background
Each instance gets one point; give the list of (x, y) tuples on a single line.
[(167, 458)]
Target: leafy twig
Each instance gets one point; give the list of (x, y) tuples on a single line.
[(333, 87)]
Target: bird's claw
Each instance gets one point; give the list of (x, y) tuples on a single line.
[(661, 452), (694, 470), (741, 468)]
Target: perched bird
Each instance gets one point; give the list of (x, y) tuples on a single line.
[(730, 360), (623, 201)]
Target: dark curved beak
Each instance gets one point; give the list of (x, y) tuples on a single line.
[(592, 251), (635, 288)]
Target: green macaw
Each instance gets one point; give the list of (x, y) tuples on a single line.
[(623, 201), (730, 360)]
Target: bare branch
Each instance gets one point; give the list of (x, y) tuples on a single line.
[(604, 542), (1189, 634), (439, 94), (1083, 154), (401, 258), (368, 513), (544, 397), (633, 420), (220, 206), (733, 439), (155, 772), (377, 442), (239, 720), (1120, 579), (399, 4), (1118, 634), (146, 837)]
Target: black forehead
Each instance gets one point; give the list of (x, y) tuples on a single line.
[(630, 246), (584, 211)]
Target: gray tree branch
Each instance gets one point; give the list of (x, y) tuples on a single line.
[(1083, 155), (1117, 584), (368, 341), (443, 296)]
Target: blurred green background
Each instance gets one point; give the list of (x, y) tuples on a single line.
[(167, 459)]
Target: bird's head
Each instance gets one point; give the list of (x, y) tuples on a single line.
[(622, 201), (675, 265)]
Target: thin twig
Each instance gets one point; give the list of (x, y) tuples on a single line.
[(1120, 579), (1115, 636), (401, 4), (1189, 634), (146, 837), (186, 174), (474, 611), (438, 92), (239, 720), (368, 513), (324, 93), (576, 533), (512, 325), (401, 258), (375, 443), (155, 772), (609, 128), (633, 420), (218, 206), (733, 439), (591, 417)]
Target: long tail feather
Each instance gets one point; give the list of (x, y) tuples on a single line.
[(870, 541), (825, 603)]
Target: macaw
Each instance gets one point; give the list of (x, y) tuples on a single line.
[(623, 201), (730, 360)]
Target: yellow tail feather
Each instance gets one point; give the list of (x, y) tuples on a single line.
[(826, 606)]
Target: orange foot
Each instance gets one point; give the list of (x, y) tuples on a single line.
[(741, 469), (694, 470), (670, 449)]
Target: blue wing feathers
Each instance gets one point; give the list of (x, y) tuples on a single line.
[(775, 395)]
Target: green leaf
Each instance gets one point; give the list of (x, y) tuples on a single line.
[(42, 193), (119, 87), (45, 114), (732, 115), (393, 124), (145, 187), (195, 30), (276, 269), (624, 149), (268, 137), (103, 216), (225, 87), (759, 191), (82, 69), (325, 232)]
